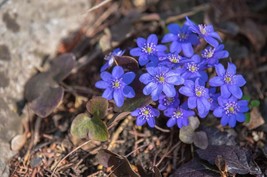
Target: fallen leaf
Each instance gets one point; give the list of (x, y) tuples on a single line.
[(200, 139), (120, 166), (256, 119), (18, 142), (194, 168), (237, 160)]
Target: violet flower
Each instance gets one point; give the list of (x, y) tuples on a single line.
[(146, 114)]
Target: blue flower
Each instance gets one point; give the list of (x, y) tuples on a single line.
[(197, 95), (160, 79), (213, 99), (148, 50), (179, 116), (205, 31), (167, 102), (211, 55), (228, 81), (182, 39), (110, 58), (173, 60), (146, 114), (193, 68), (116, 85), (231, 110)]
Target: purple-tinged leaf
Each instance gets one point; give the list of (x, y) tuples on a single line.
[(120, 165), (237, 160), (127, 62), (200, 139), (97, 106)]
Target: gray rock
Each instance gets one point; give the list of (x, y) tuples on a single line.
[(29, 31)]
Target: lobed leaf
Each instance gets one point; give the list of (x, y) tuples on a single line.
[(85, 127), (127, 62), (97, 106)]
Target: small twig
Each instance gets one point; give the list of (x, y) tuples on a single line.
[(162, 130), (115, 135), (68, 156), (144, 145), (98, 6), (162, 158)]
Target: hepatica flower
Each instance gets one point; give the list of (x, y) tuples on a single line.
[(167, 102), (148, 50), (146, 114), (228, 81), (182, 39), (231, 110), (116, 85), (160, 79), (178, 116), (204, 31), (211, 55), (193, 68), (173, 60), (110, 58), (197, 95)]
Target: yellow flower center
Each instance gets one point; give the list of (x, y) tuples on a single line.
[(149, 49)]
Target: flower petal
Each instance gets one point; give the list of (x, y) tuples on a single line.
[(218, 112), (107, 94), (118, 98), (236, 91), (149, 88), (187, 49), (128, 92), (175, 47), (168, 38), (152, 38), (224, 120), (117, 71), (240, 117), (106, 76), (140, 42), (143, 60), (136, 52), (215, 35), (175, 80), (151, 122), (101, 85), (239, 80), (169, 90), (232, 121), (173, 28), (171, 122), (231, 69), (186, 91), (128, 77), (145, 78), (140, 121), (156, 92), (161, 48), (200, 107), (220, 70), (210, 40), (192, 102), (135, 112), (225, 93), (216, 81)]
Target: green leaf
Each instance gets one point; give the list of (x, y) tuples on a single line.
[(134, 103), (85, 127), (246, 97), (97, 106), (255, 103), (247, 117)]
